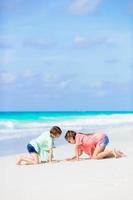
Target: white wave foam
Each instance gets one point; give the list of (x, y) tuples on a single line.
[(13, 129), (100, 120), (6, 124)]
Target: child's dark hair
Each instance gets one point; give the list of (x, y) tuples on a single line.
[(70, 134), (55, 130)]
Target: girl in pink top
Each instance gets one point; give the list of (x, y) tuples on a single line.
[(92, 144)]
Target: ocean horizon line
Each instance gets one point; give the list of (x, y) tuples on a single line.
[(66, 111)]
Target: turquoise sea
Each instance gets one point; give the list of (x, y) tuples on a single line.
[(21, 124), (18, 128)]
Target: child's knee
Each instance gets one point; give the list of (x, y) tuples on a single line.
[(35, 162), (94, 157)]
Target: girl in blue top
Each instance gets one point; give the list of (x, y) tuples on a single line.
[(41, 148)]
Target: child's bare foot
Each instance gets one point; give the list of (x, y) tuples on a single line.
[(118, 154), (121, 153), (18, 161)]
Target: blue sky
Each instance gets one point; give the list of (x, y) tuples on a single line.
[(66, 55)]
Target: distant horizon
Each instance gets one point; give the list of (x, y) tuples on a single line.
[(70, 111)]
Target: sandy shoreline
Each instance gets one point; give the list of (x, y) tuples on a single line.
[(86, 179)]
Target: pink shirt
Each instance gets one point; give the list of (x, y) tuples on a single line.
[(88, 143)]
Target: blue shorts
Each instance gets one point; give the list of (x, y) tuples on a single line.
[(104, 142), (31, 149)]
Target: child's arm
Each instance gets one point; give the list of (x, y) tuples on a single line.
[(50, 155), (78, 153)]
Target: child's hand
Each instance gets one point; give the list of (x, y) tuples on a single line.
[(54, 161), (70, 159)]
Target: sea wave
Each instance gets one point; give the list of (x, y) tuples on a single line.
[(18, 129)]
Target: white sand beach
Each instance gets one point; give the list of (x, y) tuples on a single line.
[(110, 179)]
